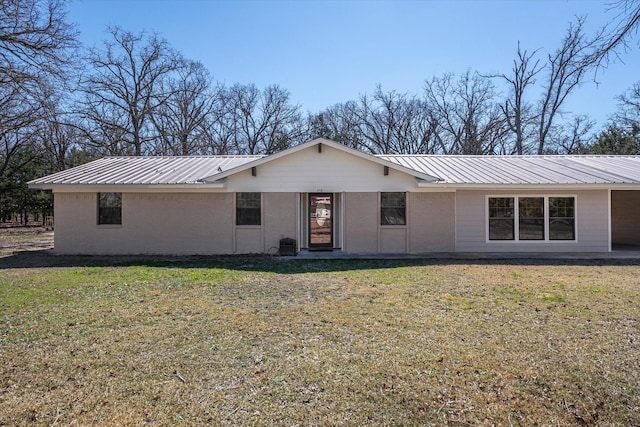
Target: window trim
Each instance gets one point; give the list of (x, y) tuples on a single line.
[(380, 207), (516, 204), (98, 216), (235, 206)]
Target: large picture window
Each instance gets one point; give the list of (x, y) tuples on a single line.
[(538, 218), (393, 208), (248, 210), (109, 208)]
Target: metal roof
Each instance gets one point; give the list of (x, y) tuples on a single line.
[(521, 170), (449, 170), (145, 170)]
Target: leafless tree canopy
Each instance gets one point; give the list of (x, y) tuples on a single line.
[(181, 119), (36, 45), (127, 87), (61, 105), (619, 35), (35, 40)]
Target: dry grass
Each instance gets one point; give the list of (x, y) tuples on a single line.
[(13, 239), (238, 342)]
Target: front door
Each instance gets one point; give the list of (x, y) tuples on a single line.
[(321, 221)]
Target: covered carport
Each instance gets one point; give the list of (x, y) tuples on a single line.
[(625, 219)]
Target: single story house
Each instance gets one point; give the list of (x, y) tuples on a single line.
[(327, 196)]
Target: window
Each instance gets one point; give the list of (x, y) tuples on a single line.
[(248, 209), (501, 226), (539, 218), (393, 207), (109, 208), (562, 218), (531, 218)]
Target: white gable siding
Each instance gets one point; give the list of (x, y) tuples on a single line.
[(592, 229), (329, 171)]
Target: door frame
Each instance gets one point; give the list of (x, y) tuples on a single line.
[(320, 246)]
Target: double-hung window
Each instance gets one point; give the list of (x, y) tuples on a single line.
[(531, 218), (248, 208), (393, 208), (501, 222), (562, 219), (109, 208)]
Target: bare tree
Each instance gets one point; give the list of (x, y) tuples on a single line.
[(36, 45), (262, 122), (464, 114), (618, 34), (18, 114), (519, 114), (219, 126), (339, 123), (393, 123), (125, 89), (628, 114), (62, 142), (36, 42), (565, 72), (181, 120), (574, 137)]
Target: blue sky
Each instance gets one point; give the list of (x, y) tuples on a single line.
[(325, 52)]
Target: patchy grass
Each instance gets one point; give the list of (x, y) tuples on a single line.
[(239, 341)]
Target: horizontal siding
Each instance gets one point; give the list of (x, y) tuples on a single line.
[(591, 216), (331, 171)]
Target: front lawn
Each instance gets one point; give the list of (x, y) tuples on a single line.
[(261, 342)]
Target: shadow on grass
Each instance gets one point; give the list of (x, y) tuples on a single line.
[(288, 265)]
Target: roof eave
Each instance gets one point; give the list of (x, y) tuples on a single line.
[(522, 186), (123, 188)]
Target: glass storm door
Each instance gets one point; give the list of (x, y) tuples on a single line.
[(321, 221)]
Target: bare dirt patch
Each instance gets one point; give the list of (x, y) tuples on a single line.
[(21, 239)]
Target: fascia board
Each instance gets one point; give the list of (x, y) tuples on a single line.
[(128, 188), (529, 186)]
